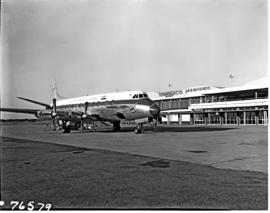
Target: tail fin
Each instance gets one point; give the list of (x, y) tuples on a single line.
[(55, 93)]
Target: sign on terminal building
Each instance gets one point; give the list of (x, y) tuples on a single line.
[(186, 91)]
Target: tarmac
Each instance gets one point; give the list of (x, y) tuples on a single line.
[(231, 147)]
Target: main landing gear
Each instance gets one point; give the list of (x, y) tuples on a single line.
[(139, 128), (66, 126), (116, 126)]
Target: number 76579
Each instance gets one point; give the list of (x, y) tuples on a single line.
[(30, 206)]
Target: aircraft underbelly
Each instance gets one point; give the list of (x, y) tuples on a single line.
[(135, 115), (120, 112), (105, 113)]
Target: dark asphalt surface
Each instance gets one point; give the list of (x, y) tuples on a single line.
[(227, 147), (77, 178)]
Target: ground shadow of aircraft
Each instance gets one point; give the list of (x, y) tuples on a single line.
[(151, 129)]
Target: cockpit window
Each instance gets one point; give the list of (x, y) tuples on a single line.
[(142, 95)]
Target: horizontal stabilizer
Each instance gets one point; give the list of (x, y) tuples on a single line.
[(36, 102), (28, 111), (94, 117)]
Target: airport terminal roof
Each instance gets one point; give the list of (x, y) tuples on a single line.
[(261, 83), (207, 90)]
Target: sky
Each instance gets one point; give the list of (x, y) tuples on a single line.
[(99, 46)]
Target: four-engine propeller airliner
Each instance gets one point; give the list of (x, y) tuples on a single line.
[(113, 107)]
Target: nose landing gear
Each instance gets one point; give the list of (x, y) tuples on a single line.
[(139, 129)]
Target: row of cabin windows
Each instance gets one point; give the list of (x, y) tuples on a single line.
[(76, 105), (137, 96), (81, 105), (71, 106)]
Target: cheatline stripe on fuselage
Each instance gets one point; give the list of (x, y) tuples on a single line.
[(111, 103)]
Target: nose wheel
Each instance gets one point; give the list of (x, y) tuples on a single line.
[(139, 129)]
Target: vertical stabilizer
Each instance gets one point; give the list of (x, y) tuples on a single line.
[(55, 93)]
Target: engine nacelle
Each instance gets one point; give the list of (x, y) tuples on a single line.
[(44, 115), (61, 115), (68, 116)]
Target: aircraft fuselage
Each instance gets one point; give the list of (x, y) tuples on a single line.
[(113, 110), (113, 107)]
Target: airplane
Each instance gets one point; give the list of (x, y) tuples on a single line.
[(109, 107)]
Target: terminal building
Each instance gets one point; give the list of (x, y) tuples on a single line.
[(207, 105)]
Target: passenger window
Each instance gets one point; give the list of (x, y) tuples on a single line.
[(135, 96)]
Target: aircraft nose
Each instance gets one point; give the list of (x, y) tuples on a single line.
[(154, 110)]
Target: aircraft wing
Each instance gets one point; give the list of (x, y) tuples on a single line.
[(36, 102), (16, 110)]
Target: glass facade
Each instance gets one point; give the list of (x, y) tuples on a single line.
[(244, 115)]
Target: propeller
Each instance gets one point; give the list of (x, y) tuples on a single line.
[(155, 112)]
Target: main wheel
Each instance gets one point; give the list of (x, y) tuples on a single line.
[(139, 131), (116, 127), (67, 129)]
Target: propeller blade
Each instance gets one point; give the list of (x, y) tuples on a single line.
[(54, 124), (54, 114), (84, 115), (54, 105), (86, 107)]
